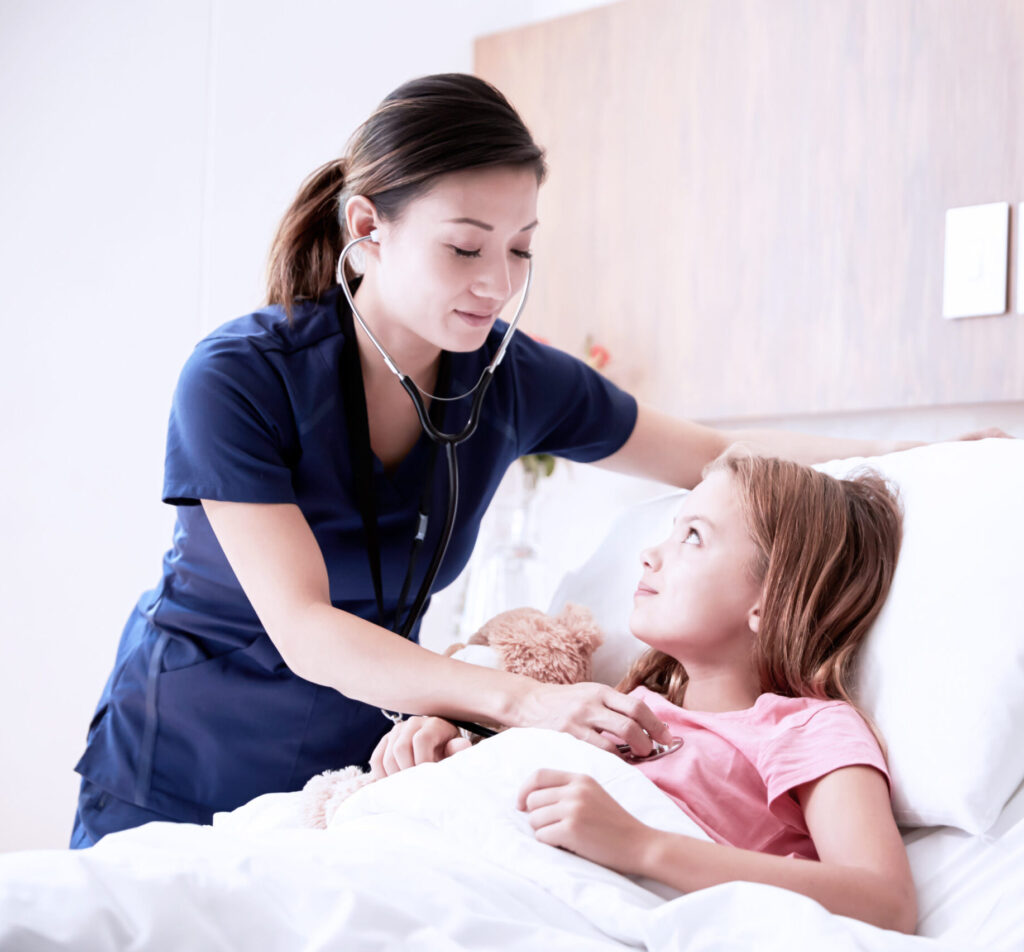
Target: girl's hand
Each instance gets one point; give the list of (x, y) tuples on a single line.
[(418, 740), (595, 713), (575, 813)]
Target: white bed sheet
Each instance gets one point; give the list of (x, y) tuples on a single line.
[(437, 858)]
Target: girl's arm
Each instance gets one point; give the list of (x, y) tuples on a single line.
[(862, 872), (278, 563)]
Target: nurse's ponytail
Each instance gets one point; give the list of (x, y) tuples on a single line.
[(309, 239), (424, 129)]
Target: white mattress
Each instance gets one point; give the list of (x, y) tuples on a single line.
[(970, 889)]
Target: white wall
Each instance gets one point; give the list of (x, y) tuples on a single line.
[(147, 153), (148, 150)]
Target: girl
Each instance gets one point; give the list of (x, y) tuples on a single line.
[(299, 473), (754, 609)]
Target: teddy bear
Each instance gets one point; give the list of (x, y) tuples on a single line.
[(555, 649)]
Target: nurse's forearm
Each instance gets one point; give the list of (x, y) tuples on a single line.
[(365, 662), (810, 448)]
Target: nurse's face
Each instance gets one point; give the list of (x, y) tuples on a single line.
[(456, 256)]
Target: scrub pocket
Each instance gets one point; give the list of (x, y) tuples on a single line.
[(100, 813), (226, 729)]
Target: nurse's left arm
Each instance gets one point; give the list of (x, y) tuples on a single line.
[(675, 451)]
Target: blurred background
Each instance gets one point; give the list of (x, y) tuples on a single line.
[(746, 255)]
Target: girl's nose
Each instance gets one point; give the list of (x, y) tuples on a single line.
[(649, 557)]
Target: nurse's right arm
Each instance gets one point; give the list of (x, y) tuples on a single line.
[(278, 563)]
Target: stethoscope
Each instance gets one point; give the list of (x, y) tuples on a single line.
[(658, 751), (449, 441)]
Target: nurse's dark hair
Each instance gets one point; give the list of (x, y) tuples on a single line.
[(826, 552), (424, 129)]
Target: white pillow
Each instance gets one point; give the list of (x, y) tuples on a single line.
[(942, 671)]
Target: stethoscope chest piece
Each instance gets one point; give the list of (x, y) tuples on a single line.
[(660, 750)]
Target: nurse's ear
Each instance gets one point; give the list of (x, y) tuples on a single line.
[(361, 219)]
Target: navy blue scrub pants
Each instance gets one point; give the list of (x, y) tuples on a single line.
[(99, 813)]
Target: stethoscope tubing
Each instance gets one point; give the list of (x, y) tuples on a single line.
[(448, 440), (439, 436), (442, 546)]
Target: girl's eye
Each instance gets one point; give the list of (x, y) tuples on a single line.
[(692, 534), (523, 254)]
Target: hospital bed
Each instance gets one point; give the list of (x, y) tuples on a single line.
[(438, 858)]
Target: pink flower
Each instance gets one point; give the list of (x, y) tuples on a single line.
[(598, 356)]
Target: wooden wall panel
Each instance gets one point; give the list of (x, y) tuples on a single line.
[(747, 198)]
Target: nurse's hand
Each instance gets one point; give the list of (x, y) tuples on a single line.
[(595, 713), (417, 740), (992, 432), (897, 446)]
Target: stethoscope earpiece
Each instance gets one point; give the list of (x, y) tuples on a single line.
[(375, 236)]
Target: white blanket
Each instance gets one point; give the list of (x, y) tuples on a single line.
[(434, 858)]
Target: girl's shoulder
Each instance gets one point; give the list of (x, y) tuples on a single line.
[(778, 715)]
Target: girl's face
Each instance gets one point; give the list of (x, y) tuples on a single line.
[(455, 257), (697, 600)]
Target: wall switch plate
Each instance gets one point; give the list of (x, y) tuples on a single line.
[(1020, 258), (977, 246)]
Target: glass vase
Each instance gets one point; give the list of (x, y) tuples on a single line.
[(511, 572)]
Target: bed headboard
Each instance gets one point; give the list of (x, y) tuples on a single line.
[(746, 202)]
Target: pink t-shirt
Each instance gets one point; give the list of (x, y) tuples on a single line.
[(735, 771)]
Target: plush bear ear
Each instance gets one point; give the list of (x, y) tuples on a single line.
[(514, 621), (579, 621), (547, 649)]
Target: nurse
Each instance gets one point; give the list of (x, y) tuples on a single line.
[(298, 470)]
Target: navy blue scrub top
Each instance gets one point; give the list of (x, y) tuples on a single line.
[(200, 713)]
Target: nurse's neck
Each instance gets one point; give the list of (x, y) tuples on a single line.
[(414, 356)]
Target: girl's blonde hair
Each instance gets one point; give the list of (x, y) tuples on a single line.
[(826, 554)]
